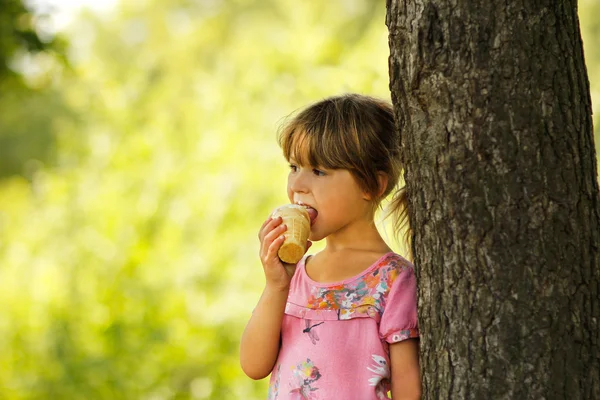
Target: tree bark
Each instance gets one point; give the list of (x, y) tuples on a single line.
[(492, 101)]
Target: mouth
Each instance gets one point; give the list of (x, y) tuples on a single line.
[(312, 212)]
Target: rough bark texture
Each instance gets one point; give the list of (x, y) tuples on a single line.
[(492, 99)]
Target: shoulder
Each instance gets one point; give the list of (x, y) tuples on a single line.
[(387, 273), (397, 260), (393, 265)]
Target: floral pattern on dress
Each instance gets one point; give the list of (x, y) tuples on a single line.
[(404, 334), (381, 378), (362, 296), (305, 375), (274, 388)]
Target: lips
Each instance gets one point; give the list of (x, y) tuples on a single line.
[(312, 213)]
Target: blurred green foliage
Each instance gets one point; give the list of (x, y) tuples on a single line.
[(128, 264), (19, 34), (128, 258), (27, 135), (589, 21)]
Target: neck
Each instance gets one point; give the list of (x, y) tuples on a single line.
[(362, 236)]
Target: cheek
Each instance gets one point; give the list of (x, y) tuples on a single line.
[(290, 193)]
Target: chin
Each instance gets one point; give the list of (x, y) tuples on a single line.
[(313, 237)]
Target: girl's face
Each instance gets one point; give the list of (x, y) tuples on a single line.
[(333, 193)]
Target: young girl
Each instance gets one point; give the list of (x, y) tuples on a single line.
[(344, 326)]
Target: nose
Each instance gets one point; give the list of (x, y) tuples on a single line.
[(298, 182)]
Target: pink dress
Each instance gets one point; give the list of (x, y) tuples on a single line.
[(336, 336)]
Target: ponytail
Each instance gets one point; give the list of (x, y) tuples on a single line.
[(397, 209)]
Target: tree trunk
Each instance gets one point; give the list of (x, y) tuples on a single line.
[(492, 99)]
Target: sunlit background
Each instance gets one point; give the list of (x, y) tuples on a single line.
[(138, 158)]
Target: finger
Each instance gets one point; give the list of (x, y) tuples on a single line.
[(274, 247), (308, 244), (270, 237), (263, 227), (265, 224), (269, 225)]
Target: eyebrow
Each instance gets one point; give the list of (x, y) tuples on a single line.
[(294, 161)]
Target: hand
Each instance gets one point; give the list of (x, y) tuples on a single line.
[(271, 238)]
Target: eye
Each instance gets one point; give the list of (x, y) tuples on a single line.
[(318, 172), (293, 168)]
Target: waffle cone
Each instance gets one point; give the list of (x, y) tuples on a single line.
[(298, 228)]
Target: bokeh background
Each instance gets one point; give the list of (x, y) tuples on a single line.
[(138, 158)]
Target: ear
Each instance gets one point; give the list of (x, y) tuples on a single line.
[(382, 181)]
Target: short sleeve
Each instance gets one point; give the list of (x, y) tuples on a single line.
[(399, 319)]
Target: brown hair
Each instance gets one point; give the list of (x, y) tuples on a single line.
[(356, 133)]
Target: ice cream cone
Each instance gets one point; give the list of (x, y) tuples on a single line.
[(297, 220)]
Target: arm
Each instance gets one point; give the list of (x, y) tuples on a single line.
[(259, 345), (406, 378), (260, 342)]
